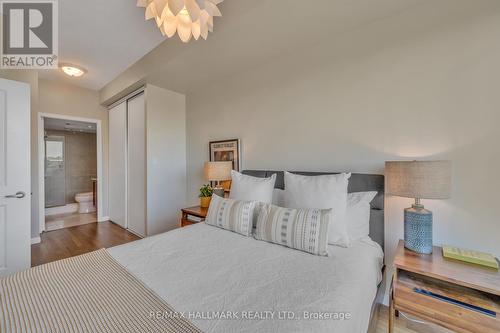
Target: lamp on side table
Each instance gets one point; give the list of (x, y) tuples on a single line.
[(217, 172), (419, 180)]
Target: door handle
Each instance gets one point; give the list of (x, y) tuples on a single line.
[(18, 195)]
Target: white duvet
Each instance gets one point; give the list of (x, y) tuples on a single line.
[(224, 282)]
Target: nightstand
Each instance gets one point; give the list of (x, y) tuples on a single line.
[(199, 214), (459, 296)]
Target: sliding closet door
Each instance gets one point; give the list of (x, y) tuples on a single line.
[(118, 164), (136, 167)]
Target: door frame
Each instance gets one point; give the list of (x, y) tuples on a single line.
[(41, 164)]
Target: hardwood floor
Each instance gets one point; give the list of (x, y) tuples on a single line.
[(69, 242), (403, 325)]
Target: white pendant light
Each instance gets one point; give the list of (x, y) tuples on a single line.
[(189, 18)]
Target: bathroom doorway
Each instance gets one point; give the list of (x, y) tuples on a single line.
[(70, 169)]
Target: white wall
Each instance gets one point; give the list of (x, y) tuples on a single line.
[(429, 95), (166, 151)]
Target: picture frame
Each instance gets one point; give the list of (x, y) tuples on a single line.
[(226, 150)]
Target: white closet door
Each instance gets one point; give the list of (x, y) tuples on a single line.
[(118, 164), (136, 167)]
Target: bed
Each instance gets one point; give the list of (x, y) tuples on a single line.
[(202, 278)]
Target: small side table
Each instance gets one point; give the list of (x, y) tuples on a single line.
[(199, 214), (460, 296)]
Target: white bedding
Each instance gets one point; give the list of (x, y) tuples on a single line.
[(202, 269)]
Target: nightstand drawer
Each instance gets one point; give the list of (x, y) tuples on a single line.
[(458, 308)]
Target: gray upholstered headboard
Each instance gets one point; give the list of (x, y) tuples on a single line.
[(357, 183)]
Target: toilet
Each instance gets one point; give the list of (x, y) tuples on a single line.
[(85, 202)]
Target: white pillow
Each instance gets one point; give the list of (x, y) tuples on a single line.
[(358, 214), (250, 188), (322, 192)]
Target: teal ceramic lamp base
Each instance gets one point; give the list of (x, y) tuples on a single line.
[(418, 228)]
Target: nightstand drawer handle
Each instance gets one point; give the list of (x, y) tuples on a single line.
[(455, 302)]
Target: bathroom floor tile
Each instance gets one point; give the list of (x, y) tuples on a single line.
[(55, 222)]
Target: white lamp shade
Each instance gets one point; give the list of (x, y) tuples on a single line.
[(418, 179), (218, 171)]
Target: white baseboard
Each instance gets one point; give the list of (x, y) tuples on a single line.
[(131, 231), (67, 209), (103, 219), (36, 240)]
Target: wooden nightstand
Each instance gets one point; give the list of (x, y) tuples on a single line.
[(198, 212), (459, 296)]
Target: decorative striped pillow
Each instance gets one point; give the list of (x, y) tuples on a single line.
[(301, 229), (234, 215)]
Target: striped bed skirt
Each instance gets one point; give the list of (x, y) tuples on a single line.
[(87, 293)]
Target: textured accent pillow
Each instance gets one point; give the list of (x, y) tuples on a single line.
[(233, 215), (323, 192), (301, 229), (358, 214), (250, 188)]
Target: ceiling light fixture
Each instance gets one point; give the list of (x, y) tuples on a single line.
[(189, 18), (72, 70)]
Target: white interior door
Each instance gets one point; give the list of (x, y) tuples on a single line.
[(136, 167), (118, 164), (15, 187)]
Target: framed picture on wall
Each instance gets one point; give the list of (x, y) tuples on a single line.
[(226, 150)]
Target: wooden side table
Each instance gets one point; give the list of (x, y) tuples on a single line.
[(457, 295), (199, 214)]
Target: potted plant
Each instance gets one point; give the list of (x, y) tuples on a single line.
[(205, 195)]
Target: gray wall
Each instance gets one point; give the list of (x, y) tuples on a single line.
[(81, 161), (431, 95)]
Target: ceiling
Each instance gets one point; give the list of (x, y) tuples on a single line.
[(107, 37), (69, 125), (118, 47), (250, 33), (103, 36)]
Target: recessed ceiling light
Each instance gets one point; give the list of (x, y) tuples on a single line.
[(72, 70)]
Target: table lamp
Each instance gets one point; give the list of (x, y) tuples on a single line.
[(419, 180), (217, 172)]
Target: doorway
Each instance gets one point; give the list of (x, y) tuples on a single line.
[(70, 167)]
